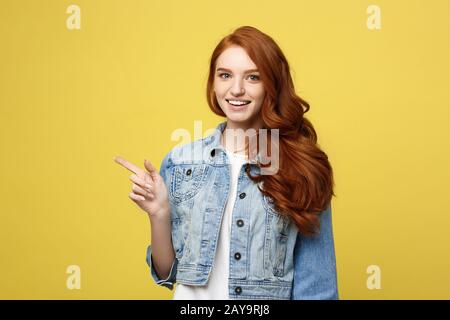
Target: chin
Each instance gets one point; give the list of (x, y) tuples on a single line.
[(243, 122), (237, 118)]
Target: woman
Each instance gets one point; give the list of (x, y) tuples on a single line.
[(249, 219)]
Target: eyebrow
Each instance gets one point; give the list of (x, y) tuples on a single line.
[(228, 70)]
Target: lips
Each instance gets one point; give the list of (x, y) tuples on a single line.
[(237, 102)]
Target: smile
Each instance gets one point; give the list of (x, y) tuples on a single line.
[(238, 102)]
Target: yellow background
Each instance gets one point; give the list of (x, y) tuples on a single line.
[(136, 71)]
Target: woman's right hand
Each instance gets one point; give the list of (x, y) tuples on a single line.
[(149, 191)]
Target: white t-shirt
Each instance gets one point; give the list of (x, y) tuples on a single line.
[(217, 286)]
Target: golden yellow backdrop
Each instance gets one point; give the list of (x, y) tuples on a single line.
[(135, 71)]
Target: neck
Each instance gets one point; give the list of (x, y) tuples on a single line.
[(234, 135)]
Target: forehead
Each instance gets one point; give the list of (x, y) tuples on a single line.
[(236, 59)]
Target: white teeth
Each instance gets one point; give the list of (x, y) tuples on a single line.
[(238, 103)]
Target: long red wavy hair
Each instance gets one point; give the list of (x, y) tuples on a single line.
[(302, 188)]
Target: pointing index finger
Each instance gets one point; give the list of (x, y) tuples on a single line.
[(130, 166)]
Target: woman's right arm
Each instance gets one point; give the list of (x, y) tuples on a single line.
[(149, 192), (162, 248)]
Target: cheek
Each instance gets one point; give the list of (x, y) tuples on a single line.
[(219, 89), (258, 94)]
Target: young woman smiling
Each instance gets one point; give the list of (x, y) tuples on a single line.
[(221, 229)]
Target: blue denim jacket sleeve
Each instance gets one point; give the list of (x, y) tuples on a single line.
[(315, 276), (171, 278)]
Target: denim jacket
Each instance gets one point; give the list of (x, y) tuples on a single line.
[(268, 258)]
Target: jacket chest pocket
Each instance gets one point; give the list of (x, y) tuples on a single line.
[(275, 239), (187, 180)]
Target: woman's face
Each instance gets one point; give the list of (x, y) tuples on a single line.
[(238, 88)]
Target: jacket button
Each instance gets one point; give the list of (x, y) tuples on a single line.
[(213, 152), (238, 290), (188, 172), (240, 222), (242, 195), (237, 255)]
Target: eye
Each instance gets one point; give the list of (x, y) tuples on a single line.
[(255, 77), (222, 74)]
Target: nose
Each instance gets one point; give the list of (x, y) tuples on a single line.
[(237, 89)]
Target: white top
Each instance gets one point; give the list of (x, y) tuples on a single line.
[(217, 286)]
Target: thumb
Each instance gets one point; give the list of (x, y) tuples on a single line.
[(151, 169)]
